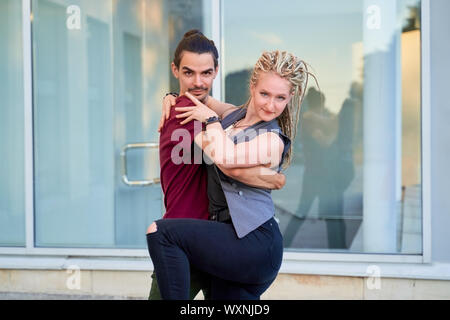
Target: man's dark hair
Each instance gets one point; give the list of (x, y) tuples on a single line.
[(195, 41)]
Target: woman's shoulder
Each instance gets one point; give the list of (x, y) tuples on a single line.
[(230, 111), (274, 127), (233, 115)]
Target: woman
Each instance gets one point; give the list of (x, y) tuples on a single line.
[(242, 256)]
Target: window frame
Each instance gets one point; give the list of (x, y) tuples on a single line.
[(293, 262)]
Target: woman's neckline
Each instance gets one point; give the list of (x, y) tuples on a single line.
[(231, 126)]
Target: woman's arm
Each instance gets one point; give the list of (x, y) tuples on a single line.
[(221, 108), (265, 149), (259, 177), (168, 101)]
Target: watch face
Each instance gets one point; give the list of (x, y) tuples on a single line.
[(212, 120)]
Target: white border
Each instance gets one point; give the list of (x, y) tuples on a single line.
[(293, 262), (28, 122)]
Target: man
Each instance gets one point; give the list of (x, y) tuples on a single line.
[(184, 183)]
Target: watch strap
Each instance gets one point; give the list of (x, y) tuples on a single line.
[(212, 120)]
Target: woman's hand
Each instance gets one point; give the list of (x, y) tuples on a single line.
[(200, 112), (168, 102)]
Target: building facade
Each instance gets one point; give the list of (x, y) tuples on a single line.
[(364, 213)]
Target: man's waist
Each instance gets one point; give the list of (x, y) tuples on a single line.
[(186, 214), (220, 215)]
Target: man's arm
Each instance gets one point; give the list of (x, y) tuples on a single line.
[(260, 177)]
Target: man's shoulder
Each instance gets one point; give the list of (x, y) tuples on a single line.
[(183, 101), (173, 122)]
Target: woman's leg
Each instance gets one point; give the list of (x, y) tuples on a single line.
[(214, 248)]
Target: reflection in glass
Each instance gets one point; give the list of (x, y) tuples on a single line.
[(79, 102), (98, 82), (183, 16), (354, 184), (12, 200)]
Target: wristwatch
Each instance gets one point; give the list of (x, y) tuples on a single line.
[(212, 120)]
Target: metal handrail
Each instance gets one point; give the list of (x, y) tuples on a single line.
[(123, 156)]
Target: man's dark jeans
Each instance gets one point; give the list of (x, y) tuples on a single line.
[(240, 268), (199, 282)]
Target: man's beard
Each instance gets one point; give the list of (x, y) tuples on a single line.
[(205, 90)]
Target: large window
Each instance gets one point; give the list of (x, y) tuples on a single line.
[(12, 200), (100, 70), (355, 181), (101, 67)]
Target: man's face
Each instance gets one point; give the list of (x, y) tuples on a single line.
[(195, 74)]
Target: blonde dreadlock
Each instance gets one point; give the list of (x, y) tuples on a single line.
[(289, 67)]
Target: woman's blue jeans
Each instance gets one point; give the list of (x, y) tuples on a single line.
[(240, 268)]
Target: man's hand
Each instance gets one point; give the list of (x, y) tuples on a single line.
[(168, 102), (259, 176)]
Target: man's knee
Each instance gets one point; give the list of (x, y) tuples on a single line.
[(152, 228)]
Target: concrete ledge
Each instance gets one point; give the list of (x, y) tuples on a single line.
[(316, 287), (75, 282), (291, 265), (98, 284)]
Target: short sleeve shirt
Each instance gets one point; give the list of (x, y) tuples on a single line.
[(183, 175)]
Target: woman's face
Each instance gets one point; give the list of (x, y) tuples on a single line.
[(270, 95)]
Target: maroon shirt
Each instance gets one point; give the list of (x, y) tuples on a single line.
[(184, 185)]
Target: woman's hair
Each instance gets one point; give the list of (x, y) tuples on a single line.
[(291, 68), (195, 41)]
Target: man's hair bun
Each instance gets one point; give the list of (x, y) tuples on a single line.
[(192, 32), (196, 42)]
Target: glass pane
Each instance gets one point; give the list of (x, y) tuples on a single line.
[(74, 176), (100, 71), (355, 181), (12, 189), (183, 16), (140, 56)]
